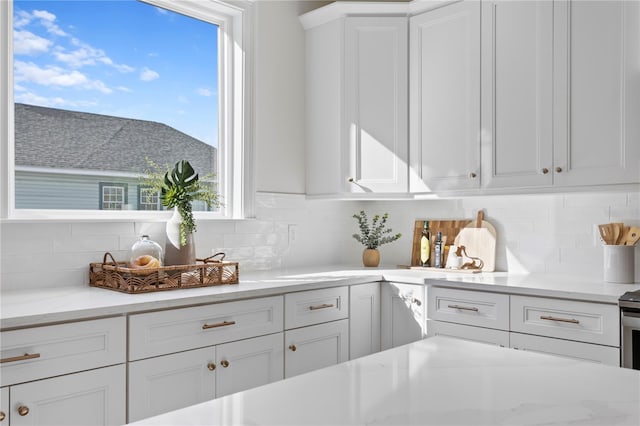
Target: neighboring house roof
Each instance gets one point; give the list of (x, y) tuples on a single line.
[(62, 139)]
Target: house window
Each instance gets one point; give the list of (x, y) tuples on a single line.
[(113, 196), (148, 199), (163, 81)]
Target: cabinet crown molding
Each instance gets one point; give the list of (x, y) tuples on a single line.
[(341, 9)]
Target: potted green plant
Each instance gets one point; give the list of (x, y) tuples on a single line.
[(373, 235), (178, 188)]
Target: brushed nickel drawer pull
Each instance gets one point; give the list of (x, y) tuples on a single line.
[(19, 358), (550, 318), (464, 308), (323, 306), (218, 324)]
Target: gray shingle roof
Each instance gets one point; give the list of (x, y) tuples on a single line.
[(56, 138)]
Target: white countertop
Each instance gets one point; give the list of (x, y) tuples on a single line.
[(21, 308), (436, 381)]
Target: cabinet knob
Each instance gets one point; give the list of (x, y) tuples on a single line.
[(472, 175), (224, 363), (211, 366), (352, 180), (293, 348), (2, 416), (558, 169), (23, 410), (416, 301), (545, 171)]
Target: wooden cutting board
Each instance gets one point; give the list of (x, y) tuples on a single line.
[(479, 239), (449, 229)]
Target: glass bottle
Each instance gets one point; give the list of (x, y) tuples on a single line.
[(425, 246), (146, 253)]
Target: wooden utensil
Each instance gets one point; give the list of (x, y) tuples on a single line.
[(632, 236), (479, 238), (606, 233)]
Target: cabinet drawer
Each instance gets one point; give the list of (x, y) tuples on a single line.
[(39, 352), (467, 332), (566, 348), (164, 332), (566, 319), (469, 307), (315, 306)]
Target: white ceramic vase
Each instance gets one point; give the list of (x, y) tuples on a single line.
[(175, 253)]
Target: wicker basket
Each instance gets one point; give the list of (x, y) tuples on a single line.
[(117, 276)]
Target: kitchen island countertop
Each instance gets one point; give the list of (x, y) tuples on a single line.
[(435, 381), (23, 308)]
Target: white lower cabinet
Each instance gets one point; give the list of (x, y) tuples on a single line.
[(570, 328), (364, 319), (468, 332), (4, 406), (566, 348), (316, 346), (95, 397), (71, 374), (402, 311), (169, 382)]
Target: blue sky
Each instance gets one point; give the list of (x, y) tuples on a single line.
[(118, 57)]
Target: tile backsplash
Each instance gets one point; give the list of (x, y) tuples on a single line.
[(553, 233)]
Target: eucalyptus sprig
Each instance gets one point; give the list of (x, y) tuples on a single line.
[(179, 187), (375, 234)]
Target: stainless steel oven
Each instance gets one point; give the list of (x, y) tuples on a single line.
[(630, 329)]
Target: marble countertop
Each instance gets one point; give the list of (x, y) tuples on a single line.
[(22, 308), (435, 381)]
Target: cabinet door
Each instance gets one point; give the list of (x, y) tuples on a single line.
[(445, 98), (402, 314), (364, 320), (249, 363), (597, 105), (517, 77), (95, 397), (578, 350), (4, 406), (314, 347), (375, 122), (165, 383)]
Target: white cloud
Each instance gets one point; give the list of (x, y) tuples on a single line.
[(47, 20), (123, 89), (203, 91), (27, 43), (21, 19), (56, 76), (57, 102), (148, 75)]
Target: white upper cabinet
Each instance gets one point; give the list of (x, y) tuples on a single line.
[(445, 98), (597, 96), (517, 93), (357, 106)]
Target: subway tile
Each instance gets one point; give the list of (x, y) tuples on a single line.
[(102, 228), (595, 199), (35, 231), (92, 243)]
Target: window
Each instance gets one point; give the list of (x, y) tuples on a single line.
[(113, 196), (99, 107), (148, 199)]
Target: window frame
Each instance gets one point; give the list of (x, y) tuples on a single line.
[(235, 150), (122, 186)]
